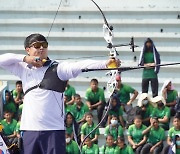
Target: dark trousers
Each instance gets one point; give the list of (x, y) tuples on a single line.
[(44, 142), (100, 109), (154, 86), (138, 149), (148, 146)]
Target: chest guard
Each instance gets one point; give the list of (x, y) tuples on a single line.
[(51, 80)]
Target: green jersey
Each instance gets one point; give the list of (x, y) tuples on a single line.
[(15, 94), (161, 113), (171, 96), (79, 112), (119, 113), (18, 127), (148, 111), (86, 129), (136, 133), (173, 132), (9, 128), (72, 148), (90, 150), (109, 150), (69, 92), (10, 106), (114, 131), (148, 73), (94, 97), (124, 93), (126, 150), (69, 129), (156, 135)]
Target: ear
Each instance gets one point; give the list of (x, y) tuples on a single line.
[(27, 50)]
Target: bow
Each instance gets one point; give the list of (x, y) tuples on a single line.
[(113, 71)]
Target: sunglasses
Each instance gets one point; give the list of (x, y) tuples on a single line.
[(38, 45)]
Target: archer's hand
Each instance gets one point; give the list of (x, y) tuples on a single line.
[(113, 63), (33, 60)]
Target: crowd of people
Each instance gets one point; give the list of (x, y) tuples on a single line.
[(128, 128)]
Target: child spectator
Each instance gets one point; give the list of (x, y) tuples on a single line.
[(170, 95), (124, 92), (114, 129), (79, 109), (18, 94), (149, 57), (71, 146), (89, 147), (124, 149), (88, 127), (135, 136), (116, 110), (71, 125), (110, 147), (9, 126), (162, 112), (155, 138), (9, 104), (144, 103), (70, 92), (95, 98), (173, 131)]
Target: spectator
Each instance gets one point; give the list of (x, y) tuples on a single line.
[(90, 147), (170, 95), (71, 125), (9, 126), (9, 104), (79, 109), (124, 149), (71, 146), (124, 91), (155, 138), (70, 92), (18, 94), (173, 131), (116, 110), (68, 108), (135, 136), (144, 102), (175, 147), (114, 129), (161, 111), (95, 98), (149, 57), (88, 127), (110, 147)]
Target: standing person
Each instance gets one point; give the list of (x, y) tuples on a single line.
[(170, 95), (95, 98), (44, 82), (150, 57)]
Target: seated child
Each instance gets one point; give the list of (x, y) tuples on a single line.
[(9, 126), (114, 129), (71, 146), (110, 147), (124, 149), (135, 136), (90, 147), (88, 127)]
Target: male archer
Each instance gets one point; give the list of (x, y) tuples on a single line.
[(44, 82)]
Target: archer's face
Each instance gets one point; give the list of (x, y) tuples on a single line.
[(38, 49)]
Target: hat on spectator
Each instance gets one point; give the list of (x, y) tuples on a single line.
[(157, 99), (118, 77), (142, 97)]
